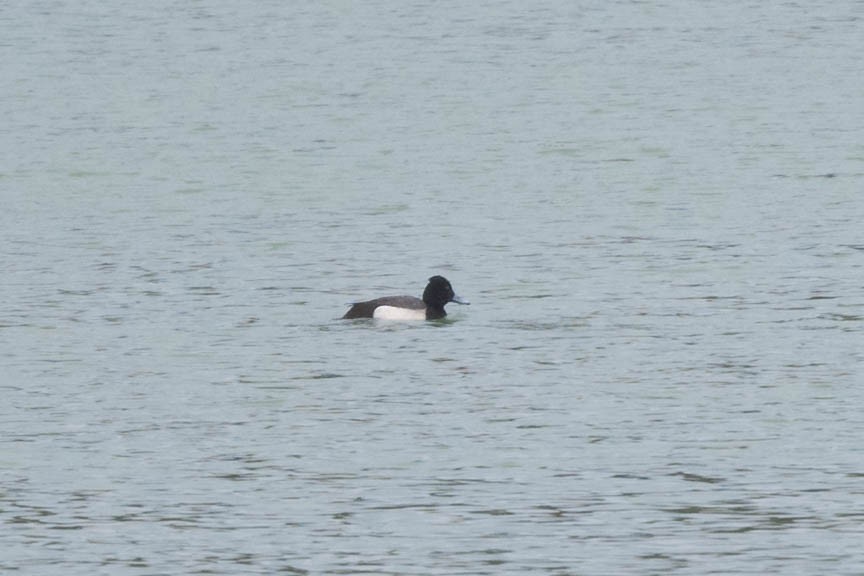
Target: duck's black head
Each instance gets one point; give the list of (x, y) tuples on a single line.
[(439, 292)]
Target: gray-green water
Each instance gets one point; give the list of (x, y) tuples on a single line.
[(655, 209)]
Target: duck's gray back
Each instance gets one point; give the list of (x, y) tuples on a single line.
[(367, 309)]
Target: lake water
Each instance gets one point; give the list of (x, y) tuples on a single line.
[(655, 209)]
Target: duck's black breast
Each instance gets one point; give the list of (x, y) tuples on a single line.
[(367, 309)]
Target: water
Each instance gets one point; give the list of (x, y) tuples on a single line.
[(655, 210)]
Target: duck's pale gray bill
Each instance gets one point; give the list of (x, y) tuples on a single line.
[(459, 300)]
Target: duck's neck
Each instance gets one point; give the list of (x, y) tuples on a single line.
[(435, 312)]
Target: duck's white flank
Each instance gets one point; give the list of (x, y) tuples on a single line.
[(394, 313)]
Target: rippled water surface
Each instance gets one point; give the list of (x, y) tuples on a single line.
[(654, 208)]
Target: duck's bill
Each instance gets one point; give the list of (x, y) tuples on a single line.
[(459, 300)]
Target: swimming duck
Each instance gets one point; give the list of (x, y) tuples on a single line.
[(438, 292)]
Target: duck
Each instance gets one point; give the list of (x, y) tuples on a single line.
[(437, 294)]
